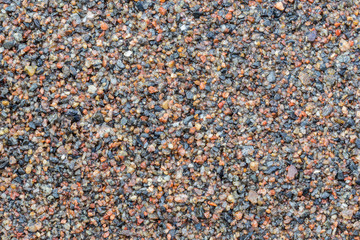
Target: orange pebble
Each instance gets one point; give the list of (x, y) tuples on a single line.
[(228, 16), (162, 11), (59, 65), (104, 26), (221, 104)]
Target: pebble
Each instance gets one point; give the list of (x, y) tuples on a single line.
[(230, 199), (104, 26), (271, 77), (35, 227), (181, 198), (253, 197), (357, 143), (28, 169), (327, 111), (18, 37), (292, 171), (344, 45), (92, 89), (128, 53), (30, 70), (304, 78), (8, 44), (279, 6), (10, 8), (4, 163), (347, 214), (120, 64), (254, 166), (12, 161), (311, 36)]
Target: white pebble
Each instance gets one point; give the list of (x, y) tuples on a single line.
[(92, 89), (128, 53)]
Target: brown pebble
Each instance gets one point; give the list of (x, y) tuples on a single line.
[(347, 214), (181, 198), (292, 171), (253, 197), (254, 166), (344, 45), (230, 199), (238, 215), (228, 16), (162, 11), (279, 6)]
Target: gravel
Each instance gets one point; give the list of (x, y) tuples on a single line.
[(179, 119)]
